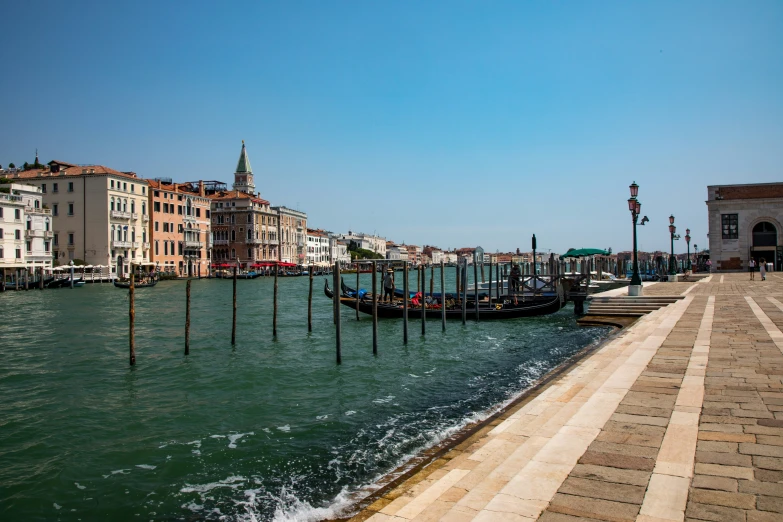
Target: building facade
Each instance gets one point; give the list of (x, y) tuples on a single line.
[(292, 233), (180, 235), (374, 243), (98, 214), (317, 248), (244, 227), (338, 251), (745, 221)]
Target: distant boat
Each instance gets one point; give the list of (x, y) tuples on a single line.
[(126, 284), (65, 283)]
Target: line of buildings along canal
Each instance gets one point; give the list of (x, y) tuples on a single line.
[(264, 430)]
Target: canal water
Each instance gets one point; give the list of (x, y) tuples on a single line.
[(264, 430)]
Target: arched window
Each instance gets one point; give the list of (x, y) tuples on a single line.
[(29, 223), (133, 205), (233, 253), (46, 224), (765, 235), (125, 205), (144, 207), (233, 235), (133, 234), (125, 234), (37, 204), (112, 203)]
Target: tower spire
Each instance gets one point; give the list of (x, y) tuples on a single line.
[(243, 177)]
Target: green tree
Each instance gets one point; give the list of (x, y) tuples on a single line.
[(11, 166)]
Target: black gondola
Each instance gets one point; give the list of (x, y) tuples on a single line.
[(126, 284), (487, 311), (62, 283)]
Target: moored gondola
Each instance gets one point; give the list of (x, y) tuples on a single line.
[(504, 309), (126, 284)]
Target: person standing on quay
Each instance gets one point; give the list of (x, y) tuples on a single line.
[(388, 285), (513, 281), (763, 268), (752, 269)]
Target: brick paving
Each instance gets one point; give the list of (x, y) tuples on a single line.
[(680, 417)]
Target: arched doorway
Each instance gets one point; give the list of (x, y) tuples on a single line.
[(765, 244)]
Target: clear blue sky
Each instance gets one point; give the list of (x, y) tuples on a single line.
[(449, 123)]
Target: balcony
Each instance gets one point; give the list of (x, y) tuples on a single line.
[(145, 246), (189, 219), (136, 244), (119, 214), (145, 218), (48, 234), (220, 242), (194, 244), (134, 216), (272, 242), (121, 244), (33, 233), (253, 241), (33, 210)]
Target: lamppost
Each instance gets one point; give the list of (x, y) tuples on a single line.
[(636, 208), (696, 254), (688, 242), (673, 236)]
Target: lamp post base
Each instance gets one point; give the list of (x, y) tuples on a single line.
[(635, 290)]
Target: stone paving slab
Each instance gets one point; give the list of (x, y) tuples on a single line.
[(679, 417)]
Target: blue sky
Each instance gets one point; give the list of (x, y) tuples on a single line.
[(449, 123)]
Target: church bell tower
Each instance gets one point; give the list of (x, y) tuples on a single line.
[(243, 177)]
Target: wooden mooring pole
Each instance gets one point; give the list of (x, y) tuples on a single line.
[(41, 280), (337, 330), (358, 272), (405, 297), (475, 287), (234, 311), (310, 301), (423, 301), (187, 318), (432, 279), (463, 296), (443, 294), (26, 279), (2, 283), (132, 319), (374, 307), (274, 305)]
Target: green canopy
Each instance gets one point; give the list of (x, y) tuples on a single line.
[(583, 252)]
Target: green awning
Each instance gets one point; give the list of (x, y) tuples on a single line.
[(584, 252)]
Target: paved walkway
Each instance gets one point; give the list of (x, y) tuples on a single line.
[(680, 417)]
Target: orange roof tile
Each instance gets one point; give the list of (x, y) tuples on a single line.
[(74, 170), (237, 194)]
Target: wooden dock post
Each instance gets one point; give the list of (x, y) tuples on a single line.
[(2, 283), (187, 318), (374, 307), (310, 301), (131, 319), (457, 280), (443, 294), (489, 286), (337, 330), (475, 288), (274, 304), (405, 297), (234, 312), (432, 279), (464, 295), (26, 279), (358, 272), (482, 271), (423, 300)]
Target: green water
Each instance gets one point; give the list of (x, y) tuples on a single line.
[(264, 430)]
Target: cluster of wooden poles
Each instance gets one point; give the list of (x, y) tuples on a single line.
[(26, 279)]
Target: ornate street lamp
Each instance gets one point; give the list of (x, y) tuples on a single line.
[(688, 242), (636, 208), (673, 236)]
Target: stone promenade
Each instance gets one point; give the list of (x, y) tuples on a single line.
[(679, 417)]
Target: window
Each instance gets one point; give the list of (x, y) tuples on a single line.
[(55, 188), (143, 189), (29, 223), (17, 234), (70, 186), (179, 209), (112, 204), (180, 248), (156, 226), (125, 187), (18, 253), (70, 209), (1, 233), (112, 183), (70, 239), (56, 240), (156, 206), (133, 204), (157, 193), (198, 212), (165, 227), (157, 249), (1, 253), (144, 207), (179, 198), (233, 237), (180, 229), (43, 188), (46, 246), (29, 245), (54, 210), (133, 187), (165, 248), (124, 205), (729, 226), (46, 225), (17, 214), (165, 208)]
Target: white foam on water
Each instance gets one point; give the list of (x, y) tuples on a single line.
[(79, 486), (57, 506), (196, 443), (217, 436), (232, 482), (192, 506), (196, 452), (322, 417), (414, 376), (146, 466), (234, 437), (285, 428), (349, 412), (290, 509), (120, 472), (267, 430), (384, 400)]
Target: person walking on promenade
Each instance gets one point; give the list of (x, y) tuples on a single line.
[(763, 268), (513, 281), (752, 269), (388, 285)]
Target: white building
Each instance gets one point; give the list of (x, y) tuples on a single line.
[(745, 221), (374, 243), (317, 248), (25, 228), (338, 251), (396, 253)]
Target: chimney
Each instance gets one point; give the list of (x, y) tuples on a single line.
[(201, 188), (517, 250)]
